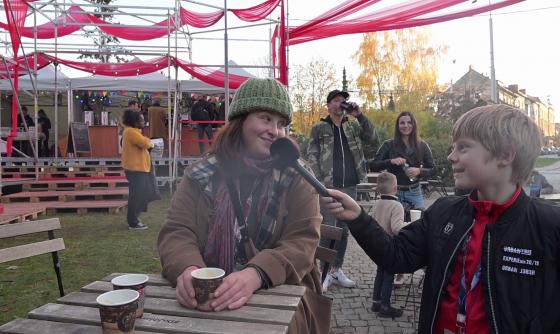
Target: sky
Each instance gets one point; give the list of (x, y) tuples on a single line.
[(525, 41)]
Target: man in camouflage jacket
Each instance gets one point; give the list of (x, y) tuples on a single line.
[(336, 155)]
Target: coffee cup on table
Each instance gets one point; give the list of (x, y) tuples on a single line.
[(415, 215), (205, 281), (135, 282), (117, 310)]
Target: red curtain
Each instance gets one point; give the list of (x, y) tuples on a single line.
[(403, 15), (282, 56), (210, 76), (22, 67), (75, 14), (256, 13), (15, 16)]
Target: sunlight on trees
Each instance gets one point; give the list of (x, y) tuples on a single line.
[(311, 84), (400, 65)]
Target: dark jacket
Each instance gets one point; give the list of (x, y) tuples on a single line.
[(389, 151), (520, 257), (325, 139)]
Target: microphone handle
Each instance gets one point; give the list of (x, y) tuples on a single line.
[(319, 187)]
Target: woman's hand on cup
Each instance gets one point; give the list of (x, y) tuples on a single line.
[(412, 172), (185, 290), (398, 161), (341, 205), (236, 289)]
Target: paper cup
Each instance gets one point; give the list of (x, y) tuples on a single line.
[(415, 215), (117, 310), (205, 282), (135, 282)]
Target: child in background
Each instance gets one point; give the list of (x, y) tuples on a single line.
[(492, 257), (389, 213)]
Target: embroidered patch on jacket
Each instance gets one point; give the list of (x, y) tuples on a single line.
[(448, 228)]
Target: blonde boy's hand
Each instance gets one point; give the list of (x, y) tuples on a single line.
[(341, 205)]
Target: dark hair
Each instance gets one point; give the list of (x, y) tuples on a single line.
[(132, 102), (24, 108), (42, 113), (131, 118), (414, 138)]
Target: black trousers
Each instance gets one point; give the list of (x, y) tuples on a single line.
[(142, 189)]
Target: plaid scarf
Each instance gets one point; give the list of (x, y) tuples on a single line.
[(223, 231)]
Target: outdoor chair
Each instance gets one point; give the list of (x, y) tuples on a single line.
[(328, 255), (22, 251)]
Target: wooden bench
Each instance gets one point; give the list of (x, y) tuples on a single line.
[(328, 255), (36, 248)]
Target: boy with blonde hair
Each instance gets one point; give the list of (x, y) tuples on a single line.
[(389, 213), (492, 257)]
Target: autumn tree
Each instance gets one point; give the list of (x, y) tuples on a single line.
[(398, 68), (311, 84)]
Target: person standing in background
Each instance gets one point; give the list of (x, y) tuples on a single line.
[(158, 121), (45, 126), (137, 166), (408, 157), (336, 156)]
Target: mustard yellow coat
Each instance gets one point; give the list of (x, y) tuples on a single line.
[(135, 155)]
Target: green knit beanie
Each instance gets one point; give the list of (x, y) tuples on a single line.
[(261, 95)]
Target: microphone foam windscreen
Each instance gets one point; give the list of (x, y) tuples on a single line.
[(283, 152)]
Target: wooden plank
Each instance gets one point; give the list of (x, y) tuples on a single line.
[(172, 307), (325, 254), (33, 326), (7, 231), (282, 290), (155, 322), (167, 292), (37, 248)]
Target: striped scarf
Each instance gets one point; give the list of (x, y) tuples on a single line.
[(223, 230)]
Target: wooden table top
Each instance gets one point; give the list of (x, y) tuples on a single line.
[(551, 197), (267, 312)]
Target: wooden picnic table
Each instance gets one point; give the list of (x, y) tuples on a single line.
[(267, 312), (372, 177)]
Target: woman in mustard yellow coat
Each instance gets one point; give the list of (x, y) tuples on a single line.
[(138, 168)]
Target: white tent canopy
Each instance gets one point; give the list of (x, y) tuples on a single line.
[(45, 81), (152, 82)]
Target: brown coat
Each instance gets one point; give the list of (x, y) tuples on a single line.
[(288, 260), (158, 128)]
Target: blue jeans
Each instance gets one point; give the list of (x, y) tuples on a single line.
[(413, 196), (383, 286), (329, 219)]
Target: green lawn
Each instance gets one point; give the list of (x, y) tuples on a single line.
[(97, 244), (545, 161)]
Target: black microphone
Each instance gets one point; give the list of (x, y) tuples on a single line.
[(285, 154)]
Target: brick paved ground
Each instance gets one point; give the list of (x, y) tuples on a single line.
[(351, 307)]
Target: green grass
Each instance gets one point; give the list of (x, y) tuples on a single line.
[(97, 244), (543, 161)]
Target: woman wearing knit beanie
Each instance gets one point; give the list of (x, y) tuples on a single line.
[(234, 211)]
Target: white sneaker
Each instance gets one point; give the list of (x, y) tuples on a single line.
[(342, 279), (327, 282)]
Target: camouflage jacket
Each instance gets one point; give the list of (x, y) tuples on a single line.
[(321, 145)]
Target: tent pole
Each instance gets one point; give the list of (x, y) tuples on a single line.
[(55, 83), (35, 99), (169, 119), (226, 61)]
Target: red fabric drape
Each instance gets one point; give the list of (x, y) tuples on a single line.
[(138, 67), (395, 17), (257, 12), (15, 16), (210, 76), (22, 68), (76, 14), (282, 61)]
